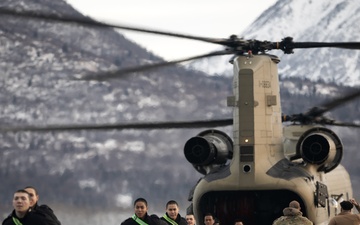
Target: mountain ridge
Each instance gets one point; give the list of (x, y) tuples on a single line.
[(305, 21)]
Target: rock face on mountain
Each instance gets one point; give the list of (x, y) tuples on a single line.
[(39, 61), (306, 21)]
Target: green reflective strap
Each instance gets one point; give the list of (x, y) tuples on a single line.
[(137, 219), (16, 221), (171, 221)]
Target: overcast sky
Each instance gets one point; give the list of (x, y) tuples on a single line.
[(206, 18)]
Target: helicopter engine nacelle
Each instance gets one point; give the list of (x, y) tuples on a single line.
[(208, 150), (317, 145)]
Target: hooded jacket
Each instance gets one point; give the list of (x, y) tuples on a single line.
[(47, 212), (292, 216)]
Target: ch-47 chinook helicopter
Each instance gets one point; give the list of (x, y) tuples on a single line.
[(255, 173)]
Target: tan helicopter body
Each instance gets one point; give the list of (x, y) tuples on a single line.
[(266, 170), (254, 175)]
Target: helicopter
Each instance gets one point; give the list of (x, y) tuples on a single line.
[(255, 173)]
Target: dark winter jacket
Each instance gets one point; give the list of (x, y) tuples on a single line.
[(150, 220), (47, 212), (31, 218), (179, 220)]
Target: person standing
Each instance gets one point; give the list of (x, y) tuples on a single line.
[(346, 217), (172, 216), (292, 215), (22, 213), (141, 216), (46, 210), (209, 219), (190, 219)]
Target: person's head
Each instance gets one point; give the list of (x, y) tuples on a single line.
[(21, 202), (295, 204), (140, 207), (190, 219), (346, 205), (209, 219), (172, 209), (238, 222), (34, 197)]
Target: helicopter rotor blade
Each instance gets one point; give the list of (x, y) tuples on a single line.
[(117, 73), (90, 22), (239, 44), (342, 100), (236, 46), (317, 111), (314, 115), (343, 124), (287, 45), (133, 126), (346, 45)]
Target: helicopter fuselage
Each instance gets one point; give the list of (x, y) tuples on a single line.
[(259, 180)]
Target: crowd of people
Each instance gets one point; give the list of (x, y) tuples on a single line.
[(170, 217), (292, 215), (27, 211)]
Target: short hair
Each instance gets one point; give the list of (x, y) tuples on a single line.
[(171, 202), (346, 205), (32, 187), (140, 200), (22, 191), (209, 214)]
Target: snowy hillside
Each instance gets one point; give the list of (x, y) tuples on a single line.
[(305, 21)]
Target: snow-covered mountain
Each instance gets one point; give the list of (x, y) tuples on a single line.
[(39, 60), (305, 21)]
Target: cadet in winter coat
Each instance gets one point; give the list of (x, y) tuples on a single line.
[(190, 219), (292, 215), (141, 216), (22, 214), (172, 216), (44, 209)]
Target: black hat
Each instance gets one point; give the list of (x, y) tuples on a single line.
[(346, 205)]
